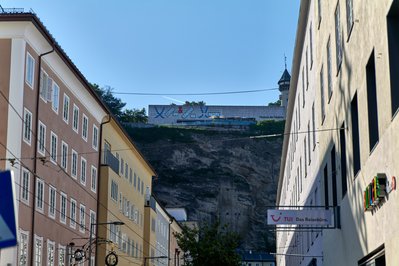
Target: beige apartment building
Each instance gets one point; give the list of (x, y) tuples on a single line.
[(343, 150), (50, 120), (126, 178)]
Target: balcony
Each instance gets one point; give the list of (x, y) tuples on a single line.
[(111, 161)]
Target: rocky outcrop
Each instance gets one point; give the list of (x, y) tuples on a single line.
[(216, 175)]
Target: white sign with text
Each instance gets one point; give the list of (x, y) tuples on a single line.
[(318, 217)]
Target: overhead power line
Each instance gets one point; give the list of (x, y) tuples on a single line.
[(193, 93)]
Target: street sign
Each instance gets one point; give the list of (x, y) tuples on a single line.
[(314, 217), (8, 225)]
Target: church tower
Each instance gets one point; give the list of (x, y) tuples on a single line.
[(284, 86)]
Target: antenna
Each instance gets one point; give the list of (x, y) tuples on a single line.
[(285, 61)]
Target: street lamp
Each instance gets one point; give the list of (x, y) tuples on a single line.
[(91, 233), (159, 257)]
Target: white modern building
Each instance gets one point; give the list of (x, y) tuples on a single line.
[(343, 148)]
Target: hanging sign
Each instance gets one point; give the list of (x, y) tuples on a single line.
[(8, 225), (375, 192), (314, 217)]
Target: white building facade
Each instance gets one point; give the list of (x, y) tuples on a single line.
[(343, 149)]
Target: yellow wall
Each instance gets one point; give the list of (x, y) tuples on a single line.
[(109, 210)]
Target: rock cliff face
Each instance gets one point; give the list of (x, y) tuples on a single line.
[(216, 175)]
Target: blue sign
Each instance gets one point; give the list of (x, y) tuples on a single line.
[(8, 226)]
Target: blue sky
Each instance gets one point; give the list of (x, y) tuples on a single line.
[(175, 46)]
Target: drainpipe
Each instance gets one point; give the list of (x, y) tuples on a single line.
[(99, 183), (32, 248), (170, 222)]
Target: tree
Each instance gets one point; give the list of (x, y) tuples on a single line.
[(134, 116), (211, 245), (114, 104), (276, 103)]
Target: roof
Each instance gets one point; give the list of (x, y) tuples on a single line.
[(285, 77), (179, 214), (257, 256)]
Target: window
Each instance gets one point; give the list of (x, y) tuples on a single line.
[(25, 186), (153, 224), (142, 187), (23, 248), (38, 250), (349, 16), (95, 137), (326, 202), (311, 45), (314, 127), (329, 71), (120, 201), (83, 164), (305, 156), (93, 178), (46, 86), (134, 180), (114, 190), (92, 221), (61, 255), (323, 111), (42, 138), (65, 112), (74, 164), (85, 124), (372, 102), (64, 155), (355, 136), (307, 75), (343, 159), (39, 195), (122, 166), (52, 202), (130, 176), (303, 87), (334, 176), (30, 70), (63, 207), (50, 253), (75, 118), (138, 184), (82, 220), (393, 45), (309, 153), (53, 150), (27, 126), (126, 171), (338, 38), (73, 213), (319, 11), (55, 97)]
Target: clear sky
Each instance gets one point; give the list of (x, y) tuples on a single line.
[(175, 46)]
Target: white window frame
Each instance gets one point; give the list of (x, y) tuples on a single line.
[(37, 201), (94, 175), (63, 216), (62, 250), (38, 251), (53, 157), (75, 119), (50, 260), (85, 129), (74, 166), (23, 249), (64, 156), (46, 93), (82, 219), (95, 137), (65, 113), (51, 204), (41, 149), (23, 188), (27, 132), (30, 83), (83, 172), (114, 191), (72, 218), (55, 98)]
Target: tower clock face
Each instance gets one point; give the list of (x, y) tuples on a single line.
[(111, 259)]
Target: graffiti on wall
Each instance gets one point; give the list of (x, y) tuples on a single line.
[(184, 113)]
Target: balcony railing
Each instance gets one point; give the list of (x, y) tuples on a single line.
[(11, 10), (111, 161)]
